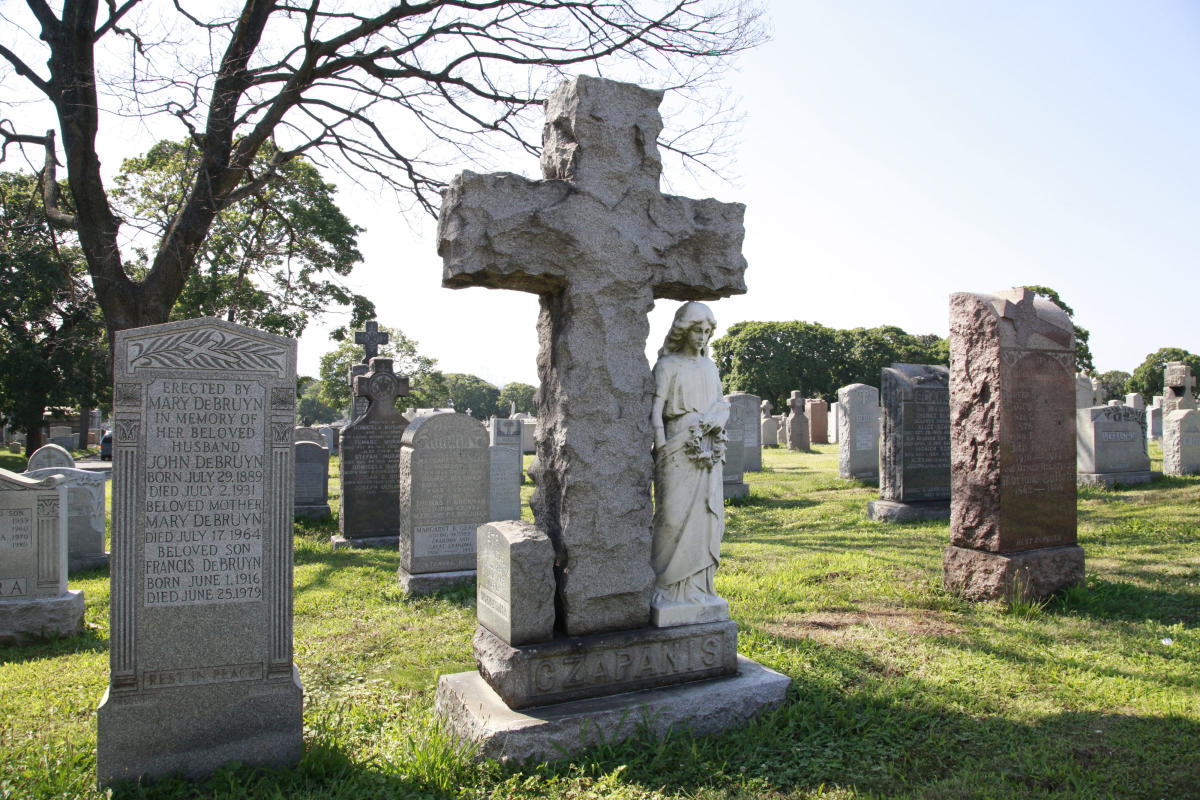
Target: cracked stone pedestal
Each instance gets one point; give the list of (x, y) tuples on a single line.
[(897, 511), (977, 575), (41, 616)]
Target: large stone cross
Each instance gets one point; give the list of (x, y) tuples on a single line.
[(597, 242), (370, 339)]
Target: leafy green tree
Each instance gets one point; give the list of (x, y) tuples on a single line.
[(1114, 383), (426, 385), (309, 407), (519, 395), (1148, 377), (469, 392), (272, 260), (52, 348), (1083, 353)]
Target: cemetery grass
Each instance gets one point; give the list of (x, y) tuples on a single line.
[(899, 689)]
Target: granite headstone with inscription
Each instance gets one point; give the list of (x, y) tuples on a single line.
[(370, 504), (1181, 442), (200, 650), (769, 429), (445, 480), (34, 598), (797, 424), (781, 430), (1179, 387), (858, 432), (504, 436), (818, 420), (733, 470), (85, 515), (749, 407), (515, 584), (834, 422), (1111, 445), (914, 449), (1013, 523), (358, 403), (312, 480), (50, 455)]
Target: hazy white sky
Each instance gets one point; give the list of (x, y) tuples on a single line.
[(894, 153)]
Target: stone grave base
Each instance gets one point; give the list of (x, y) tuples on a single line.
[(195, 729), (896, 511), (735, 490), (340, 542), (315, 512), (1109, 479), (667, 615), (475, 713), (865, 477), (21, 620), (430, 582), (576, 667), (86, 561), (978, 575)]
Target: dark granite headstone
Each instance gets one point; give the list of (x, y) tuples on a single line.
[(914, 448), (312, 480)]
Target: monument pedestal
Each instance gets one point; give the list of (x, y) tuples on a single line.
[(475, 713), (41, 616), (430, 582), (979, 575), (83, 562), (312, 512), (340, 542), (1110, 479), (733, 490), (897, 511)]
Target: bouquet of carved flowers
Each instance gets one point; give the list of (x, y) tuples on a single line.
[(705, 447)]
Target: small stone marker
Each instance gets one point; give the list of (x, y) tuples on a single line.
[(1013, 526), (34, 599), (1154, 422), (1111, 445), (444, 480), (85, 515), (50, 455), (358, 403), (506, 468), (1134, 400), (733, 470), (370, 509), (818, 420), (331, 436), (858, 432), (1178, 387), (914, 449), (201, 670), (61, 436), (749, 407), (834, 422), (515, 585), (528, 435), (1181, 442), (769, 427), (782, 429), (1085, 395), (797, 424), (304, 433), (312, 480)]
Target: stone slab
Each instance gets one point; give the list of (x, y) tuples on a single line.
[(666, 615), (475, 713), (338, 541), (896, 511), (41, 616), (979, 575), (1110, 479), (313, 512), (602, 664), (733, 490), (430, 582), (514, 593)]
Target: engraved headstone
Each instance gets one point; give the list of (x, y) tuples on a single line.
[(1181, 442), (34, 599), (797, 424), (818, 420), (834, 422), (1111, 445), (444, 471), (358, 402), (733, 470), (306, 433), (330, 437), (515, 585), (858, 434), (1085, 394), (50, 455), (1134, 400), (506, 468), (85, 515), (1013, 523), (769, 427), (200, 650), (749, 407), (1179, 387), (370, 504), (312, 480), (598, 242), (914, 444), (528, 435), (781, 430)]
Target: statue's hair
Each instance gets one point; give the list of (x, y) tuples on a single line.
[(687, 316)]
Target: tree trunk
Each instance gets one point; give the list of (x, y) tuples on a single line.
[(85, 422), (33, 432)]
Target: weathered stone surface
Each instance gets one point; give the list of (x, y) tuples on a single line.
[(1111, 445), (911, 511), (1179, 387), (358, 403), (598, 242), (781, 424), (797, 424), (85, 515), (504, 488), (979, 575), (733, 470), (1181, 442), (769, 427), (1154, 423), (1135, 400), (607, 663), (858, 432), (307, 433), (444, 493), (515, 585), (914, 448), (817, 411), (201, 643), (370, 504), (50, 455), (475, 713), (747, 409), (41, 617), (312, 479)]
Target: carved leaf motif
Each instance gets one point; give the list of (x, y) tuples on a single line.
[(128, 394), (282, 397), (47, 506), (207, 349)]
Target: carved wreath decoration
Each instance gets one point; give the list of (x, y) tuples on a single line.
[(705, 449), (207, 349)]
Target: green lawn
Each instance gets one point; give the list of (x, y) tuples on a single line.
[(899, 690)]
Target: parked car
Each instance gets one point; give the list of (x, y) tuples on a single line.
[(106, 446)]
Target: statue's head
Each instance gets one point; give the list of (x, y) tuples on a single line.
[(689, 317)]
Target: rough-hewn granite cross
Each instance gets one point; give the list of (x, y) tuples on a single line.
[(370, 339), (598, 242)]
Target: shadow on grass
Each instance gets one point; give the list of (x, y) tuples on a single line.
[(89, 640), (1118, 600)]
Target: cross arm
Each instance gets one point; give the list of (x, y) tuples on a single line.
[(697, 245)]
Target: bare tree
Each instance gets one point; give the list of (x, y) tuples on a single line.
[(375, 92)]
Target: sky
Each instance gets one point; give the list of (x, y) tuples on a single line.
[(893, 153)]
